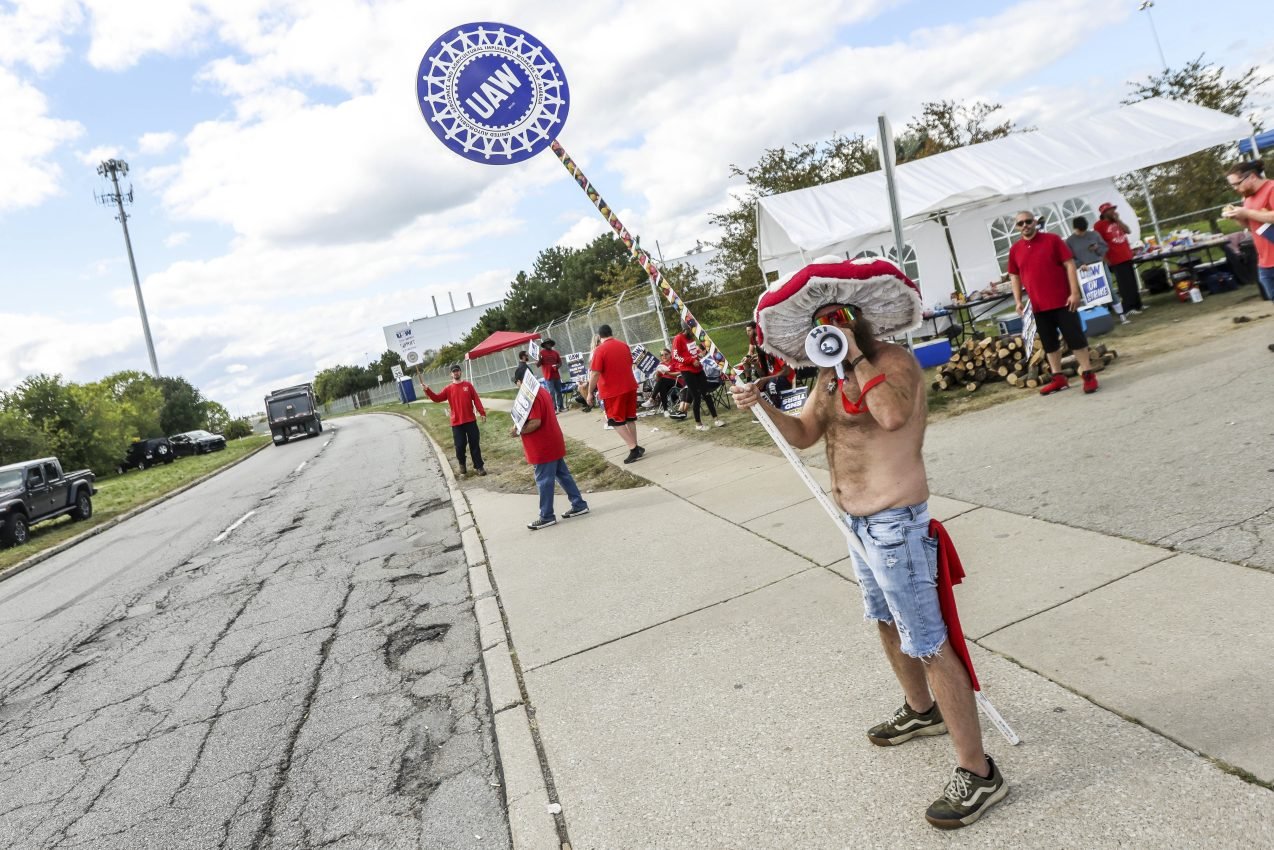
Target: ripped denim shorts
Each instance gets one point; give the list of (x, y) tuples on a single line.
[(900, 580)]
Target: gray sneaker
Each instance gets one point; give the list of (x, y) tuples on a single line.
[(907, 724), (967, 797)]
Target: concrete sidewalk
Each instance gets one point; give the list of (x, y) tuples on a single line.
[(698, 673)]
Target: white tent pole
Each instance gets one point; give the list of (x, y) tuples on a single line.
[(1150, 205), (885, 136)]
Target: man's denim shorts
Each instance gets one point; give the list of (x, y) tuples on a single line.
[(900, 582)]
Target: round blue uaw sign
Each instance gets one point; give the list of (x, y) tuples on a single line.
[(492, 93)]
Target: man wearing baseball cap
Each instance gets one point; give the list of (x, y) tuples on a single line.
[(462, 400), (1119, 257)]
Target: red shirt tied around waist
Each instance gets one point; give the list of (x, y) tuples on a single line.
[(1041, 264), (462, 399), (550, 364), (545, 444)]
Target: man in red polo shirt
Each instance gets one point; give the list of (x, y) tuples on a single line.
[(611, 377), (462, 401), (1042, 263), (545, 449), (1119, 256)]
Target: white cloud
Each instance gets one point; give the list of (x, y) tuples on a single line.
[(236, 368), (155, 143), (173, 240), (94, 156), (29, 137), (582, 232), (32, 33)]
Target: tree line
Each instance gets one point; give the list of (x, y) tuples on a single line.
[(90, 426)]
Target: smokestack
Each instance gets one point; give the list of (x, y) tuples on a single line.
[(470, 294), (435, 300), (453, 301)]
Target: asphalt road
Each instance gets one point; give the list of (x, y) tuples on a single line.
[(1177, 451), (284, 656)]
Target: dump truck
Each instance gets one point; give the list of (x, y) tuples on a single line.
[(293, 412)]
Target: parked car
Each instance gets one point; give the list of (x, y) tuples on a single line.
[(144, 454), (196, 443), (36, 490)]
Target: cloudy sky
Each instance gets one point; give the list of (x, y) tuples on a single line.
[(290, 200)]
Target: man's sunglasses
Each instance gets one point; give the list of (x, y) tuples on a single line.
[(840, 316), (1024, 222)]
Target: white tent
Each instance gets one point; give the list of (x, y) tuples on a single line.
[(1057, 172)]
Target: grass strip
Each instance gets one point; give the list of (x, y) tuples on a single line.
[(507, 469)]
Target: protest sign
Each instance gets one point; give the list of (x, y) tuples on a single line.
[(644, 363), (794, 399), (522, 403), (1094, 285), (576, 365), (533, 351)]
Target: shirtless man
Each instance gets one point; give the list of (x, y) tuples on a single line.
[(873, 442)]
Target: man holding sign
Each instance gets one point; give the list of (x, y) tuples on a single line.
[(535, 421)]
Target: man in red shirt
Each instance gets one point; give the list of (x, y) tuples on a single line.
[(1041, 262), (545, 450), (462, 399), (611, 377), (1248, 179), (550, 364), (1119, 256)]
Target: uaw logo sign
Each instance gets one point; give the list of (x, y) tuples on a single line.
[(492, 93)]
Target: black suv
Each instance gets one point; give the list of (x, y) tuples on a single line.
[(144, 454), (196, 443)]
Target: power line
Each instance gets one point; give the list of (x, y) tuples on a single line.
[(115, 169)]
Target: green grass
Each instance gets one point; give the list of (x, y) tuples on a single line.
[(117, 494), (507, 469)]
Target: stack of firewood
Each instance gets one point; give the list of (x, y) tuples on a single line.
[(1004, 358)]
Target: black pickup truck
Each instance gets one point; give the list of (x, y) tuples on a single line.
[(36, 490)]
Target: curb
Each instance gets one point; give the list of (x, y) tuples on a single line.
[(533, 825), (28, 563)]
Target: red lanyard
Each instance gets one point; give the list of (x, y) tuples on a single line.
[(860, 406)]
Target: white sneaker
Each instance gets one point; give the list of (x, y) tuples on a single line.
[(649, 403), (719, 423), (701, 427)]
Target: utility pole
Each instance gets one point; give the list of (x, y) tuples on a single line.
[(115, 169), (1146, 6)]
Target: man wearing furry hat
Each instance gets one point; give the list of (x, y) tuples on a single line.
[(873, 425)]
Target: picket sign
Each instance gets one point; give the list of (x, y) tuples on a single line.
[(523, 400)]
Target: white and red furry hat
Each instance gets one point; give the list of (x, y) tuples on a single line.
[(886, 297)]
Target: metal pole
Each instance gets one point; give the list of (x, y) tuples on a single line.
[(1145, 7), (132, 264), (659, 311), (619, 311), (1150, 206)]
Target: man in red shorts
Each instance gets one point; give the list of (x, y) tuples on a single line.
[(611, 377), (1041, 262)]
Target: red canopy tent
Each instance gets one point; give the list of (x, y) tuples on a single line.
[(499, 341)]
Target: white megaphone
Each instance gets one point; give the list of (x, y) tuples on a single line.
[(825, 346)]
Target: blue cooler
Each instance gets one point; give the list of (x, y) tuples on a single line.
[(935, 352), (1096, 321)]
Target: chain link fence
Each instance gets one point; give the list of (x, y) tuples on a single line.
[(636, 315)]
